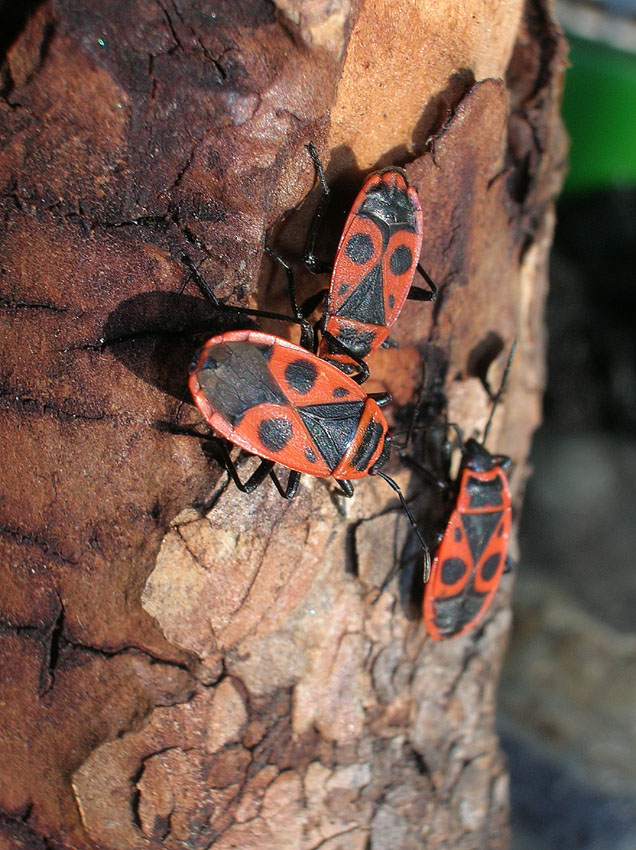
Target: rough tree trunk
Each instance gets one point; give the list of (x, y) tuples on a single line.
[(182, 664)]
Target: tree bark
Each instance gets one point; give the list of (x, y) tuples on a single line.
[(182, 663)]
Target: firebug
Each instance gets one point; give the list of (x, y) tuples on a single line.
[(470, 559), (278, 401), (471, 556), (281, 402), (374, 265)]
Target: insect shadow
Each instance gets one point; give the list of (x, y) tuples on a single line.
[(156, 334)]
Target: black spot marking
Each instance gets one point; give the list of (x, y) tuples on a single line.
[(340, 392), (368, 444), (274, 433), (359, 248), (452, 570), (391, 301), (343, 288), (457, 534), (401, 260), (301, 375), (490, 567), (309, 454)]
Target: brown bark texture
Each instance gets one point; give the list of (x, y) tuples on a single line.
[(183, 665)]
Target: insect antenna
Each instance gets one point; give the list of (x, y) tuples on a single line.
[(427, 554), (500, 391)]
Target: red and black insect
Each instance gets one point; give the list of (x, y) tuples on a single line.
[(281, 402), (278, 401), (470, 559), (374, 267), (471, 556), (285, 404)]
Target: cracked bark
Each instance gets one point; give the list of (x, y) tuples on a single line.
[(232, 679)]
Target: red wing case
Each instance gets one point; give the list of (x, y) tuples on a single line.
[(375, 264), (470, 559), (276, 400)]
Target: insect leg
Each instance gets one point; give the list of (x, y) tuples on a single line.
[(265, 468), (256, 478), (413, 464), (309, 305), (306, 330), (290, 490), (338, 347), (416, 293), (381, 399), (427, 554), (389, 342), (500, 391), (230, 308), (346, 487), (312, 263)]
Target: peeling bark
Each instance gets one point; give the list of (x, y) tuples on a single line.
[(180, 662)]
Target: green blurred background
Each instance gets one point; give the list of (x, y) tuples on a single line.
[(599, 108)]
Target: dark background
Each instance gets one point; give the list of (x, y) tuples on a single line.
[(568, 694)]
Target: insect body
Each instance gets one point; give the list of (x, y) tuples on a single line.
[(471, 556), (374, 267), (282, 403)]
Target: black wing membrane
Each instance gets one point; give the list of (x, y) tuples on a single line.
[(332, 427)]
